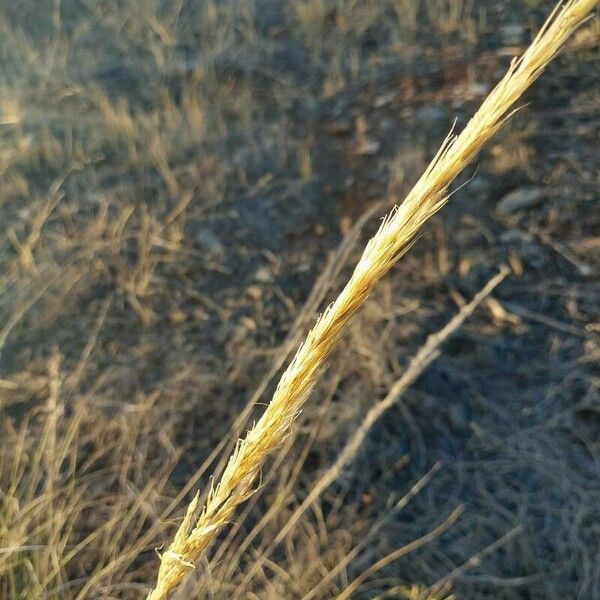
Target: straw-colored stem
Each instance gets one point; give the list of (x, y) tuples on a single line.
[(417, 365), (394, 237)]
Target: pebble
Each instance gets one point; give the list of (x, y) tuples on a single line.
[(208, 241), (177, 316), (431, 114), (254, 292), (248, 323), (512, 33), (345, 224), (515, 236), (519, 199), (367, 147), (385, 99), (263, 275)]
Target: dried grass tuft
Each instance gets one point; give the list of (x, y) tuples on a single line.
[(397, 232)]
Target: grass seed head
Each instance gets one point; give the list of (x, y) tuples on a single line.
[(394, 237)]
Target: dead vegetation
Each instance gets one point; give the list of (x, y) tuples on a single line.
[(174, 178)]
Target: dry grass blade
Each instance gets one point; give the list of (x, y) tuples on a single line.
[(424, 357), (410, 547), (472, 562), (394, 237)]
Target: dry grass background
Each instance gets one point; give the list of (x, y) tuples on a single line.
[(162, 169)]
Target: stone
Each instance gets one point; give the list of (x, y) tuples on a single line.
[(432, 115), (367, 147), (519, 199), (208, 241), (254, 292), (263, 275)]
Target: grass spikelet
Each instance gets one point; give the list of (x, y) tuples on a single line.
[(396, 233)]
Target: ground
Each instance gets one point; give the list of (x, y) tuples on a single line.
[(183, 187)]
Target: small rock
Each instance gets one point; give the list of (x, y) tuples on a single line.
[(367, 499), (478, 89), (385, 99), (512, 33), (345, 224), (519, 199), (208, 241), (254, 292), (514, 236), (367, 147), (431, 114), (248, 323), (338, 128), (303, 267), (263, 275), (177, 316)]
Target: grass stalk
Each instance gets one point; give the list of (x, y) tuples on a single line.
[(418, 364), (395, 235)]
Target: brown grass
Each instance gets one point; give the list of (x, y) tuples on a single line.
[(394, 237)]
